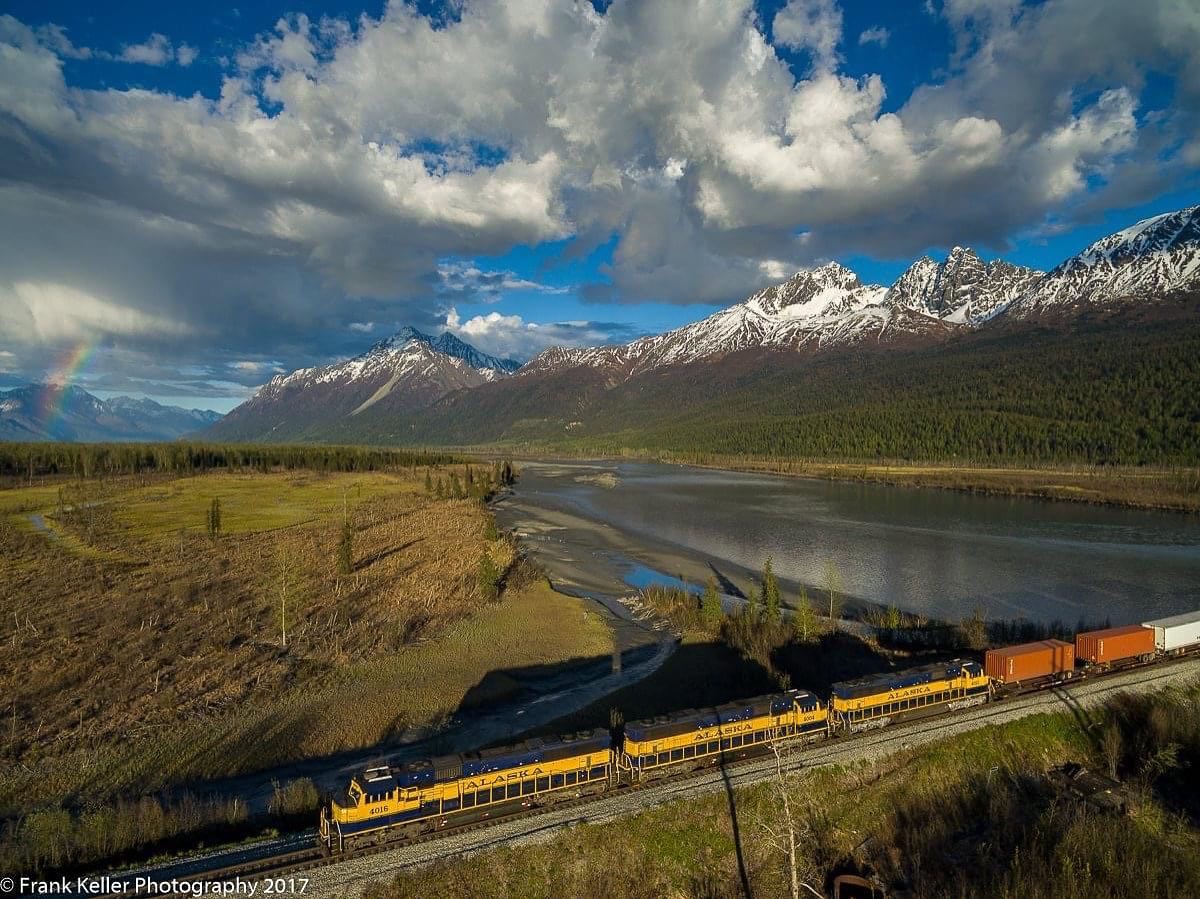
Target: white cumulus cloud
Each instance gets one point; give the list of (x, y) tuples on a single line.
[(878, 35), (154, 51), (812, 25), (511, 336)]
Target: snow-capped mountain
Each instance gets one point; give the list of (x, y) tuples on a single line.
[(1144, 261), (826, 307), (830, 307), (490, 367), (401, 373), (963, 289), (54, 412), (412, 378)]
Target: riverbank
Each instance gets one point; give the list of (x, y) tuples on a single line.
[(1169, 490), (1172, 490), (583, 556), (1160, 489)]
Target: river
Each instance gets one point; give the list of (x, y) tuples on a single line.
[(599, 527)]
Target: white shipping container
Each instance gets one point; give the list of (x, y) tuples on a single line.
[(1176, 632)]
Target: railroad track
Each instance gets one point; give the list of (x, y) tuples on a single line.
[(814, 753)]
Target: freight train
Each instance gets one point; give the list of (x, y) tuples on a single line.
[(392, 802)]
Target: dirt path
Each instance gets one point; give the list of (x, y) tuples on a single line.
[(349, 878)]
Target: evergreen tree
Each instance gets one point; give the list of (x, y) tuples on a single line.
[(214, 518), (428, 482), (770, 591), (488, 578), (441, 489), (345, 550), (456, 490), (710, 606), (753, 607)]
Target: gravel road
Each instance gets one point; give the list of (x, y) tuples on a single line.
[(349, 878)]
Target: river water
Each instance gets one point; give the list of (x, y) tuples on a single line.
[(936, 552)]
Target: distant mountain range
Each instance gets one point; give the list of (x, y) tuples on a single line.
[(416, 388), (37, 412)]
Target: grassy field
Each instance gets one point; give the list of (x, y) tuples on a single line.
[(972, 816), (137, 652)]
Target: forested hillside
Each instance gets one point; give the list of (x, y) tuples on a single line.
[(1108, 390)]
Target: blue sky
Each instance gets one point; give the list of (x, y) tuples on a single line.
[(209, 195)]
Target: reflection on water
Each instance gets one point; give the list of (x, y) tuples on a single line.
[(931, 551)]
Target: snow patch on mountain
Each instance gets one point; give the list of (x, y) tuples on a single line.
[(1149, 259), (961, 290), (406, 354), (828, 306)]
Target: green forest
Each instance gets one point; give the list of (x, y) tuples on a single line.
[(86, 460)]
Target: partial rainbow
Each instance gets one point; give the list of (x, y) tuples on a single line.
[(70, 364)]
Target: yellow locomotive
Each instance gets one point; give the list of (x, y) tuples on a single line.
[(695, 737), (877, 701), (420, 796), (417, 797)]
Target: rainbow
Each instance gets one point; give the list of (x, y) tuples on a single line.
[(64, 373)]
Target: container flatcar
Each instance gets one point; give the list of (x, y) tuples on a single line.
[(1030, 661), (1176, 633), (1115, 644)]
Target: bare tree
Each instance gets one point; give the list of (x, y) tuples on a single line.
[(791, 830), (1112, 747), (833, 585), (286, 582)]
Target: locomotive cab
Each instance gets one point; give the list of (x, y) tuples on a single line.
[(372, 798)]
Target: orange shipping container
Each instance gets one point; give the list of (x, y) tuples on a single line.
[(1029, 661), (1114, 644)]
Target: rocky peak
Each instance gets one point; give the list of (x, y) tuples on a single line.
[(447, 344), (805, 291), (962, 288)]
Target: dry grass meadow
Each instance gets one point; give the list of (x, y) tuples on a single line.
[(138, 652)]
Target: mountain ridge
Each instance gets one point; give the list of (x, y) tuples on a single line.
[(388, 389), (45, 412)]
